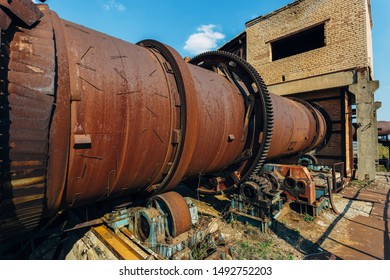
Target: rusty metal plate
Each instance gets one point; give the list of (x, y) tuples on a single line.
[(5, 21), (25, 10), (381, 210), (369, 240), (370, 235), (364, 195)]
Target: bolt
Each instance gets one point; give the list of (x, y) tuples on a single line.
[(231, 138), (232, 64), (248, 153)]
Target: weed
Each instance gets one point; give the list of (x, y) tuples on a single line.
[(383, 151), (381, 168), (359, 183), (200, 251), (260, 250), (308, 218)]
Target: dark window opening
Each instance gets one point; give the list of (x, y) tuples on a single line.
[(307, 40)]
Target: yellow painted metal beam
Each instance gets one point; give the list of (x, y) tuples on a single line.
[(116, 245)]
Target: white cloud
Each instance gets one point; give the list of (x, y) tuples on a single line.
[(204, 40), (113, 5)]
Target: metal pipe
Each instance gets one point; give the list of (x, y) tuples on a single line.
[(330, 193)]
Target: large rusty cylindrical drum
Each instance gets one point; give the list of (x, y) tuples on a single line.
[(86, 117)]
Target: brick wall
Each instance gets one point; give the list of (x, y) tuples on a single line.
[(347, 37)]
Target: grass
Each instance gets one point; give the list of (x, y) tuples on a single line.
[(200, 251), (254, 250), (381, 168), (252, 244), (308, 218), (359, 183), (260, 250), (383, 151)]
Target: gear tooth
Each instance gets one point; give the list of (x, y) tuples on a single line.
[(17, 222), (259, 180)]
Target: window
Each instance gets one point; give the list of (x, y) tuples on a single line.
[(307, 40)]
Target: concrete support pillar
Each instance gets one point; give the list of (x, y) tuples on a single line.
[(367, 132)]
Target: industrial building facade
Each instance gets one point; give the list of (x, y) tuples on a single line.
[(321, 51)]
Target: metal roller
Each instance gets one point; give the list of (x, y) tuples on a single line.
[(86, 117), (176, 209)]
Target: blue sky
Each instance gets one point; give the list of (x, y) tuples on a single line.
[(192, 27)]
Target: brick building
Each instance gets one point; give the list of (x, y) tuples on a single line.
[(321, 51)]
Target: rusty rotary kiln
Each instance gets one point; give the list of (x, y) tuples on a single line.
[(86, 117)]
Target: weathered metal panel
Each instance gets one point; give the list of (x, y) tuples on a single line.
[(221, 113), (26, 113)]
